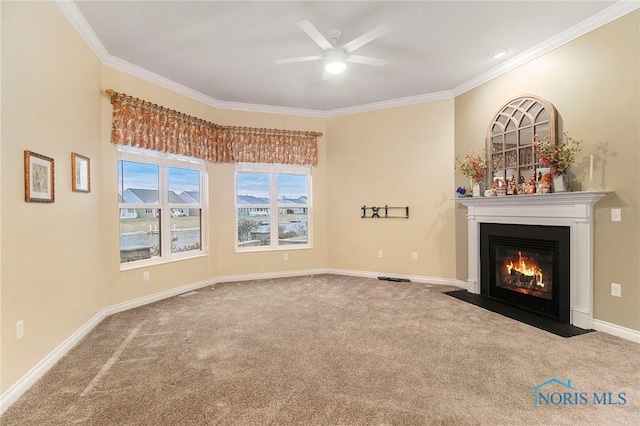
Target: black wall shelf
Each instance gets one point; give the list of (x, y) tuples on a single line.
[(385, 212)]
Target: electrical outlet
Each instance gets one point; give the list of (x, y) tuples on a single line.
[(414, 256), (145, 276), (20, 329), (616, 290), (286, 256), (380, 254), (616, 215)]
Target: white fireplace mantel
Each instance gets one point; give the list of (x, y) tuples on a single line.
[(572, 209)]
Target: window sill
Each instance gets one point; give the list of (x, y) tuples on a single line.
[(156, 262)]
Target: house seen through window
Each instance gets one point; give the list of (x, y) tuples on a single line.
[(273, 207), (161, 206)]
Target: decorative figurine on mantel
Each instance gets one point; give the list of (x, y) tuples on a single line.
[(512, 188), (531, 186), (546, 183), (499, 188)]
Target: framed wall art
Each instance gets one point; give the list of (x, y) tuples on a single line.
[(80, 173), (39, 178)]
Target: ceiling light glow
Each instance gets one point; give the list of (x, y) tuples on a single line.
[(335, 67), (334, 61)]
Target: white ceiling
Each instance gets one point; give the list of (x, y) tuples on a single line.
[(223, 52)]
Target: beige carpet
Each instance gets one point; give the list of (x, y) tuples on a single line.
[(327, 350)]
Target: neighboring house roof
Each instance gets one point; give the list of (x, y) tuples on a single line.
[(149, 196), (138, 195), (299, 200), (191, 197), (250, 199), (175, 198)]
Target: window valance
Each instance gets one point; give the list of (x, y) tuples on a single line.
[(145, 125)]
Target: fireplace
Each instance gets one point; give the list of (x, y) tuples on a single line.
[(527, 266), (572, 210)]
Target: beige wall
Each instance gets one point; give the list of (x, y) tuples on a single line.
[(53, 277), (594, 84), (396, 157)]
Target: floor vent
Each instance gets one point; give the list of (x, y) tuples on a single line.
[(396, 280)]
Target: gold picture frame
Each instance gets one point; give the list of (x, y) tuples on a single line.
[(80, 173), (39, 178)]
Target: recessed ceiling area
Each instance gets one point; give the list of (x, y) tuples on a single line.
[(225, 50)]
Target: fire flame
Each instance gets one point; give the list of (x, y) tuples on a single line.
[(523, 268)]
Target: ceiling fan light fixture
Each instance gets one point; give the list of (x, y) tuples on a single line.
[(335, 61)]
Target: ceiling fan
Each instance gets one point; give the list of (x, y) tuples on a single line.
[(335, 57)]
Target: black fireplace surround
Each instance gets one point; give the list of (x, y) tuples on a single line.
[(547, 291)]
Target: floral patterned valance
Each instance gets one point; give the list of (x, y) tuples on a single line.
[(145, 125)]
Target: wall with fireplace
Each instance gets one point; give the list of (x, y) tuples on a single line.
[(595, 90)]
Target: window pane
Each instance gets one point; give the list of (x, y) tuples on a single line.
[(511, 158), (184, 186), (496, 144), (186, 232), (253, 227), (137, 182), (542, 131), (526, 136), (139, 234), (292, 189), (511, 140), (253, 188), (292, 225)]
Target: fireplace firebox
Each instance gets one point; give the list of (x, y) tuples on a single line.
[(527, 266)]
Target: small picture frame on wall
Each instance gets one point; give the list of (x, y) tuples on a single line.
[(80, 173), (39, 178)]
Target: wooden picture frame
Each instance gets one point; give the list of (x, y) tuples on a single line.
[(80, 173), (39, 178)]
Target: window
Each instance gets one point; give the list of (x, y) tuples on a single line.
[(273, 207), (161, 206), (511, 136)]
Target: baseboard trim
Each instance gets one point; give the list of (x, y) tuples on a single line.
[(413, 278), (616, 330), (25, 382), (271, 275), (145, 300)]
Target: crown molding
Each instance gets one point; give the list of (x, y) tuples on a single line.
[(166, 83), (73, 14), (610, 14), (391, 103)]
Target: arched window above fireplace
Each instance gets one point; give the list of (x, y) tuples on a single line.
[(511, 134)]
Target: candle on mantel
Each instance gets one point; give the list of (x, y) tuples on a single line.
[(591, 168)]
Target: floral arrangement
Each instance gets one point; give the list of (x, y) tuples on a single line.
[(474, 165), (559, 156)]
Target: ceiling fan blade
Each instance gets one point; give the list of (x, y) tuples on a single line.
[(367, 60), (366, 38), (315, 35), (299, 59)]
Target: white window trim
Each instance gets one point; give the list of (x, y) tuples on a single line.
[(165, 160), (274, 170)]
